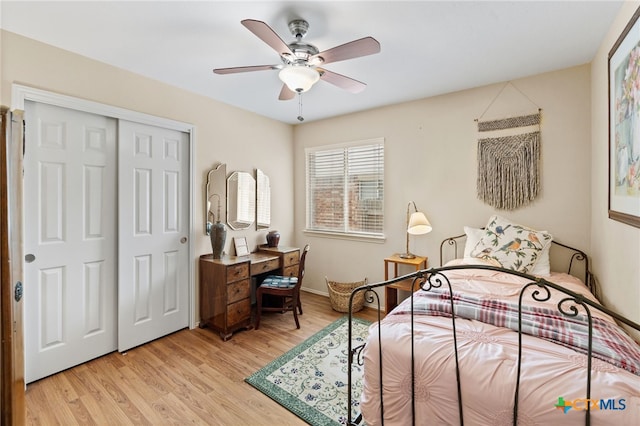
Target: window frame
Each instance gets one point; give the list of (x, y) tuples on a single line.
[(344, 233)]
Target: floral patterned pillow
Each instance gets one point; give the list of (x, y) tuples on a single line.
[(513, 246)]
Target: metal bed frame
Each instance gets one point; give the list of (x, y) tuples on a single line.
[(571, 305)]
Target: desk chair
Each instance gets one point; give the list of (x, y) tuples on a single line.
[(287, 289)]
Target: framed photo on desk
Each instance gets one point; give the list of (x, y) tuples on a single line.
[(242, 249)]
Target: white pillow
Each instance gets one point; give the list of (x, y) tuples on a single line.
[(473, 238), (543, 266)]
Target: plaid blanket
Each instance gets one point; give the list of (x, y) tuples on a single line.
[(609, 342)]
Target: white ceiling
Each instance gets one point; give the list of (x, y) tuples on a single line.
[(427, 48)]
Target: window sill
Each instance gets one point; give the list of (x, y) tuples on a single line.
[(345, 236)]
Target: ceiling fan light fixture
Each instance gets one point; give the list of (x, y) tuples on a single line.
[(299, 78)]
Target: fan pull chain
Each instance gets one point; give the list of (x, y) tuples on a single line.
[(300, 117)]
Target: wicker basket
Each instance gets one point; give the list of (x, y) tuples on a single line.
[(339, 294)]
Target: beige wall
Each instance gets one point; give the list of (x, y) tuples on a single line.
[(242, 140), (430, 149), (430, 158), (615, 247)]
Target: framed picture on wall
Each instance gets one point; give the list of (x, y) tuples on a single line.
[(624, 125)]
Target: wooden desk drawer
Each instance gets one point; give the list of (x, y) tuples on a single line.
[(291, 258), (239, 311), (237, 272), (290, 271), (262, 267), (238, 290)]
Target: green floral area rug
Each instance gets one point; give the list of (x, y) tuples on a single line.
[(311, 379)]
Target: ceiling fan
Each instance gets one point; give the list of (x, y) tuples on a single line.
[(302, 63)]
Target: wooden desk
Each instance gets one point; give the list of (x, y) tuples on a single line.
[(289, 258), (225, 286), (391, 291)]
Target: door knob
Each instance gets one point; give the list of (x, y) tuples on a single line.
[(29, 258), (183, 240)]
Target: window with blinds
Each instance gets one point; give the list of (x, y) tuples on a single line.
[(345, 188)]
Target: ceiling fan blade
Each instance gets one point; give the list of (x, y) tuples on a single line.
[(234, 70), (286, 94), (266, 34), (354, 49), (347, 83)]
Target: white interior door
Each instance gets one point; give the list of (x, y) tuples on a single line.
[(153, 194), (70, 238)]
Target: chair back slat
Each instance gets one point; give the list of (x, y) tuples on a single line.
[(303, 258)]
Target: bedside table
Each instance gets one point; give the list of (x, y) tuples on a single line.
[(391, 291)]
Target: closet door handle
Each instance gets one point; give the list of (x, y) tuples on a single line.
[(183, 240), (29, 258), (18, 292)]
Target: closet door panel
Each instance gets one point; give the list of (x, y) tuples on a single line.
[(153, 232), (70, 229)]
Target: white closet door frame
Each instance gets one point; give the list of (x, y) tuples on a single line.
[(21, 93)]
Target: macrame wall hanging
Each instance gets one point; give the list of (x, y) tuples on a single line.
[(508, 159)]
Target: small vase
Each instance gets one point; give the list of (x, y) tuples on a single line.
[(218, 236), (273, 238)]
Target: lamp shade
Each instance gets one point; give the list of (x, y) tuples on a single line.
[(299, 78), (418, 224)]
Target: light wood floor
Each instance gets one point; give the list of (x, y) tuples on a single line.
[(189, 377)]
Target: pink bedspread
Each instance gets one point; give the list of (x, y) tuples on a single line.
[(553, 379)]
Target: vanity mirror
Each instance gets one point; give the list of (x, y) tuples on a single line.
[(263, 200), (215, 197), (241, 200)]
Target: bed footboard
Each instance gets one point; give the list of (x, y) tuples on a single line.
[(571, 305)]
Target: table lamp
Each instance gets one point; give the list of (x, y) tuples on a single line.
[(417, 224)]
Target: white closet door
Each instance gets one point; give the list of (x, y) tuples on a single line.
[(153, 193), (70, 238)]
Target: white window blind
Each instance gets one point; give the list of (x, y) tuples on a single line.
[(345, 188)]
